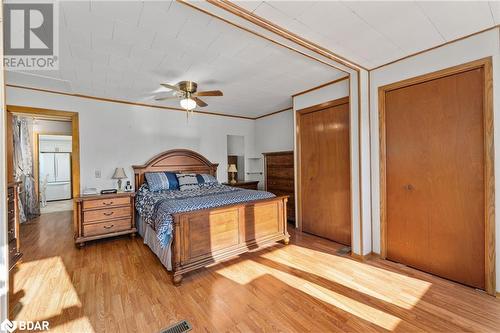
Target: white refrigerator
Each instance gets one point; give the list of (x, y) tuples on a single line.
[(56, 167)]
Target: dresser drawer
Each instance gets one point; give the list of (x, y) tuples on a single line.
[(280, 160), (91, 216), (280, 172), (104, 203), (280, 184), (102, 228)]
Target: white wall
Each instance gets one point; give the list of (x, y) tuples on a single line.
[(235, 145), (476, 47), (274, 133), (325, 94), (113, 134)]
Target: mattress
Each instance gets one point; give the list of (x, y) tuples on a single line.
[(150, 239)]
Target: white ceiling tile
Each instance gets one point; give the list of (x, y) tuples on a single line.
[(110, 46), (458, 18), (248, 5), (79, 52), (291, 8), (399, 29), (495, 10), (139, 37), (156, 16), (124, 11)]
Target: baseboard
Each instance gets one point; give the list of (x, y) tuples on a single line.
[(369, 256)]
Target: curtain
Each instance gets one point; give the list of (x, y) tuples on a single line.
[(23, 163)]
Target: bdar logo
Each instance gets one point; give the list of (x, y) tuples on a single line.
[(8, 326)]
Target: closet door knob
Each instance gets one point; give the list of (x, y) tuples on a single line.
[(409, 187)]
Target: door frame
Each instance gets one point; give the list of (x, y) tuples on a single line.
[(75, 134), (489, 155), (299, 114)]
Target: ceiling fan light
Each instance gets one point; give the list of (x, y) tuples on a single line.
[(188, 104)]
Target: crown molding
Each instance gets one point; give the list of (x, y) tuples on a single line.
[(119, 101)]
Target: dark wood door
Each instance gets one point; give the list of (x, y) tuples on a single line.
[(325, 172), (435, 177)]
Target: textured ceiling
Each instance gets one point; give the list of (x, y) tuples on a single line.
[(372, 33), (123, 50)]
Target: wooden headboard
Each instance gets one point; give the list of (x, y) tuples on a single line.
[(176, 160)]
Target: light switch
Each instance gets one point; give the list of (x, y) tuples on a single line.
[(97, 173)]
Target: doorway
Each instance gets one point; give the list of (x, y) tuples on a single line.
[(54, 170), (436, 168), (53, 162)]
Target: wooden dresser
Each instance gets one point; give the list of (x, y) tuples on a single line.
[(279, 177), (249, 185), (102, 216), (13, 224)]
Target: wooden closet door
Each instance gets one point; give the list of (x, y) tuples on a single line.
[(435, 177), (325, 173)]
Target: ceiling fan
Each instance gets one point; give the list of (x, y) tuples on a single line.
[(187, 92)]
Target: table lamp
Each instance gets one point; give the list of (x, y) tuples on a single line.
[(119, 174), (232, 169)]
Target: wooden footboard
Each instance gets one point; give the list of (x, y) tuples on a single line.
[(207, 236)]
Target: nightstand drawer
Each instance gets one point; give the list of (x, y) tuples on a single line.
[(104, 203), (91, 216), (106, 227)]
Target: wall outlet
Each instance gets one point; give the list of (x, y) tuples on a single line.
[(97, 173)]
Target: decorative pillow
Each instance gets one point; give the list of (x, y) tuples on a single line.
[(187, 181), (159, 181), (206, 178)]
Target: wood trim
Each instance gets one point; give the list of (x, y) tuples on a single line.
[(103, 99), (366, 257), (263, 23), (360, 171), (273, 113), (435, 47), (321, 86), (298, 194), (486, 63), (325, 105), (75, 154)]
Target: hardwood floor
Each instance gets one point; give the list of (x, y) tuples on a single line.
[(119, 285)]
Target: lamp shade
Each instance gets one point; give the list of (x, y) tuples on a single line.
[(119, 174), (188, 104), (232, 168)]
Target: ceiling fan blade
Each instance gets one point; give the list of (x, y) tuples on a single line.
[(199, 102), (209, 93), (171, 87), (165, 98)]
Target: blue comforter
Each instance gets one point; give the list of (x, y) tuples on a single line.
[(156, 208)]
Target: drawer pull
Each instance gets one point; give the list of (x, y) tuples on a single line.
[(107, 203), (109, 226), (108, 214), (11, 212)]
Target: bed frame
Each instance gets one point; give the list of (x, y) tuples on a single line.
[(207, 236)]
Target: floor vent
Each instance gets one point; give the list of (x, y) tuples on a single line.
[(180, 327), (344, 250)]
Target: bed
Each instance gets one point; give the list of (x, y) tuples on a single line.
[(217, 222)]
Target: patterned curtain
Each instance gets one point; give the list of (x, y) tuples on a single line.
[(23, 163)]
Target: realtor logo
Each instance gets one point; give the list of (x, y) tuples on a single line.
[(30, 35), (8, 326)]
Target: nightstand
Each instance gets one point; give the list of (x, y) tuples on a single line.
[(103, 216), (250, 185)]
